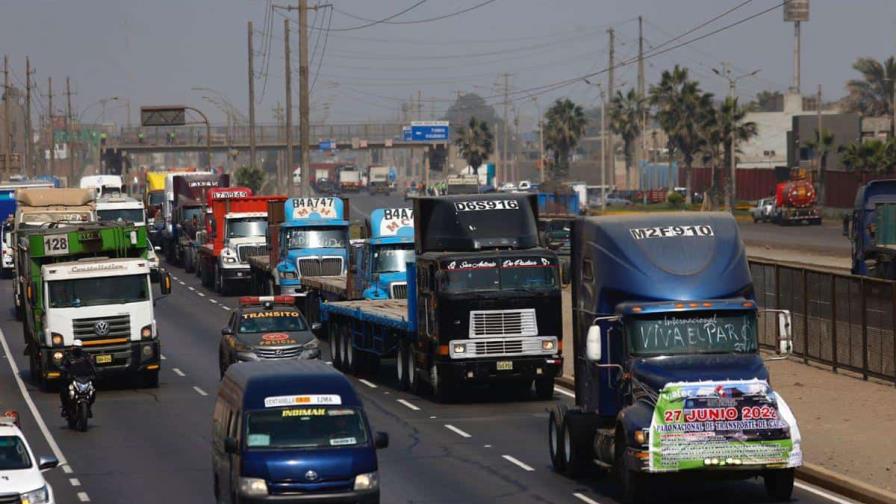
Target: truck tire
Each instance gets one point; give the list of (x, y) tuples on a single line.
[(633, 483), (414, 383), (401, 365), (335, 336), (350, 355), (188, 262), (779, 484), (573, 446), (221, 286), (20, 312), (544, 389), (555, 446), (441, 386)]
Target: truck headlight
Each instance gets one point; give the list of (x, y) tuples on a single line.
[(56, 339), (39, 496), (57, 356), (548, 345), (641, 437), (460, 348), (288, 275), (253, 486), (229, 260), (367, 481), (146, 332)]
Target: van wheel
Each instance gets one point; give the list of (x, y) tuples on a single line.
[(779, 484), (401, 366), (554, 441)]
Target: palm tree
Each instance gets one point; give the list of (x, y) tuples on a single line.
[(563, 130), (873, 94), (821, 145), (871, 157), (718, 128), (476, 143), (625, 121), (732, 116), (665, 96)]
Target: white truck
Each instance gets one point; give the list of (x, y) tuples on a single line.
[(103, 185), (378, 180), (116, 208)]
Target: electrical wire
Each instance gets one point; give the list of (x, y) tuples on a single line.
[(380, 21), (416, 21), (323, 50)]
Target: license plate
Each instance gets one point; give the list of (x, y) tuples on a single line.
[(505, 365), (103, 359)]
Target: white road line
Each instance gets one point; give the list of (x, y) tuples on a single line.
[(212, 300), (178, 372), (457, 431), (83, 497), (200, 294), (182, 283), (561, 390), (517, 463), (365, 382), (191, 288), (163, 356), (822, 493), (584, 498), (67, 469), (408, 405), (200, 391), (57, 452), (225, 307), (74, 482)]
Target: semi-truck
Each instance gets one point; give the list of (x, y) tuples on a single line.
[(378, 180), (350, 179), (237, 226), (306, 237), (187, 199), (556, 212), (668, 374), (796, 202), (103, 185), (43, 207), (483, 302), (112, 207), (90, 283), (871, 228), (7, 220)]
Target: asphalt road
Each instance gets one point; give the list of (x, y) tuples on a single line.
[(826, 239), (150, 446)]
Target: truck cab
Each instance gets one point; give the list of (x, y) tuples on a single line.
[(871, 228), (185, 194), (311, 241), (118, 208), (668, 374), (103, 185), (378, 179), (379, 268)]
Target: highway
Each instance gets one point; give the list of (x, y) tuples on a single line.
[(826, 239), (149, 446)]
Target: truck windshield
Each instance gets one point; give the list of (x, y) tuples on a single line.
[(525, 276), (246, 227), (331, 237), (692, 333), (13, 454), (38, 219), (134, 215), (157, 198), (189, 212), (388, 259), (79, 292), (305, 427)]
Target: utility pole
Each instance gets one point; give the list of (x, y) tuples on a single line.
[(642, 93), (251, 99), (7, 141), (304, 98), (51, 140), (611, 73), (732, 203), (818, 137), (505, 157), (68, 132), (28, 133), (419, 105), (603, 148), (282, 178)]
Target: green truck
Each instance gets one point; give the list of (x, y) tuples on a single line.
[(91, 283)]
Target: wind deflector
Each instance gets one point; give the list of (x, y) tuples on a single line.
[(475, 222)]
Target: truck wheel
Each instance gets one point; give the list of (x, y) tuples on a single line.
[(349, 356), (34, 367), (554, 444), (335, 351), (442, 388), (573, 447), (150, 379), (401, 366), (779, 484), (414, 384), (544, 389), (633, 485), (188, 262)]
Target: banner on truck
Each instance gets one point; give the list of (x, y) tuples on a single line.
[(708, 425)]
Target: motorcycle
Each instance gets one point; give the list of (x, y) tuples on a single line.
[(76, 409)]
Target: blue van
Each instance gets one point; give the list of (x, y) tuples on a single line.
[(292, 431)]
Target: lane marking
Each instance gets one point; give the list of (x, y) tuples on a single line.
[(191, 288), (182, 283), (200, 391), (200, 294), (212, 300), (584, 498), (517, 463), (67, 469), (457, 431), (178, 372), (365, 382), (74, 482), (225, 307), (822, 493), (163, 356), (407, 404), (561, 390), (83, 497), (51, 441)]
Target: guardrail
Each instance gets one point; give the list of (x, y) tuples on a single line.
[(843, 321)]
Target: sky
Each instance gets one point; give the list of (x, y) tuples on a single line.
[(156, 52)]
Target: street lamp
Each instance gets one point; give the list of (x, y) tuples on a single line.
[(603, 144), (732, 85)]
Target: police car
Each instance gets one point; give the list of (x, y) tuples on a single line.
[(264, 328), (21, 480)]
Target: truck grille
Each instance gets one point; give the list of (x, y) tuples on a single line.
[(501, 347), (328, 266), (244, 252), (86, 329), (284, 353), (490, 323), (399, 290), (10, 499)]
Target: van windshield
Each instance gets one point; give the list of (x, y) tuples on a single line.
[(305, 427)]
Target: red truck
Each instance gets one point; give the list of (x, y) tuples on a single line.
[(236, 228), (796, 202)]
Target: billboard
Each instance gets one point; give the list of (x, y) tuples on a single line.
[(796, 10)]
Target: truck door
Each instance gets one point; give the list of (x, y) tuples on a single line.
[(233, 459)]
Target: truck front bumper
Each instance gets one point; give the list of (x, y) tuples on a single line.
[(350, 497), (129, 358), (498, 369), (237, 273)]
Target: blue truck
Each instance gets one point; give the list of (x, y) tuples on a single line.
[(668, 375), (307, 237), (483, 303), (872, 230)]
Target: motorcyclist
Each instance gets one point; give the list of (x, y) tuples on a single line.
[(76, 364)]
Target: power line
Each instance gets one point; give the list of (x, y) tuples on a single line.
[(417, 21), (380, 21), (323, 51)]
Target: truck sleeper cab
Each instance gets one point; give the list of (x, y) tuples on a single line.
[(292, 431)]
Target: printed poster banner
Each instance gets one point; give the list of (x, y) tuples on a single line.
[(718, 424)]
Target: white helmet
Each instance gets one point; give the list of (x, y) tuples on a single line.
[(77, 343)]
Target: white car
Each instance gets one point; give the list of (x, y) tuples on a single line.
[(20, 472), (507, 187), (763, 210), (525, 185)]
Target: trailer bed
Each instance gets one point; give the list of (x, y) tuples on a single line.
[(392, 313), (330, 285)]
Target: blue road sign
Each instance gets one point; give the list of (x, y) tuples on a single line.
[(429, 131), (406, 135), (328, 145)]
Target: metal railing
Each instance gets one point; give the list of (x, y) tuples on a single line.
[(843, 321)]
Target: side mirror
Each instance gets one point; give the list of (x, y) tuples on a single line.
[(230, 445), (381, 440), (316, 327), (165, 286), (785, 333), (225, 331), (592, 344), (45, 463)]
